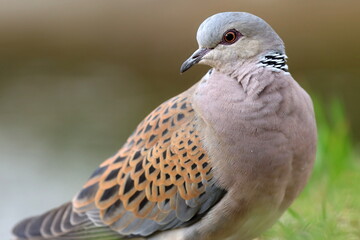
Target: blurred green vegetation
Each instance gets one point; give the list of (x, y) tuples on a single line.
[(329, 207)]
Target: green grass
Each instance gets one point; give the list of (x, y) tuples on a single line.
[(329, 207)]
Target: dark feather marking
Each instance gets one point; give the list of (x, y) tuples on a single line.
[(139, 141), (183, 106), (167, 188), (142, 178), (152, 137), (98, 171), (204, 165), (151, 169), (184, 185), (165, 132), (119, 159), (166, 120), (137, 155), (171, 153), (110, 210), (140, 131), (143, 203), (155, 117), (138, 166), (130, 144), (157, 124), (180, 116), (88, 191), (164, 154), (113, 174), (128, 185), (174, 106), (133, 197), (148, 127), (202, 194), (109, 193)]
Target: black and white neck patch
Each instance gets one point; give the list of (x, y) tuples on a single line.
[(275, 60)]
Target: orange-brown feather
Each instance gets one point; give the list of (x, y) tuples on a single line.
[(163, 159)]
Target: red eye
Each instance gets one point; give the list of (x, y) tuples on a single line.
[(231, 36)]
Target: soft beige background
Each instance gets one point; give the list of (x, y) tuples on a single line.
[(77, 76)]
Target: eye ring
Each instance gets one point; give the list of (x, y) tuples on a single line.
[(230, 36)]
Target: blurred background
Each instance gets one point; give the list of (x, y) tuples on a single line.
[(76, 77)]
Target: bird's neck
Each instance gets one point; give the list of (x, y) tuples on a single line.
[(256, 74), (245, 94), (275, 61)]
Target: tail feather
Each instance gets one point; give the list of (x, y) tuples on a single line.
[(61, 223), (33, 227)]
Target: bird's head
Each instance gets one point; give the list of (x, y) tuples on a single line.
[(228, 38)]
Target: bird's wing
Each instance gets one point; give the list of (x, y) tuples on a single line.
[(160, 179)]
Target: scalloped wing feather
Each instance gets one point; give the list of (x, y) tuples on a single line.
[(160, 179), (61, 223)]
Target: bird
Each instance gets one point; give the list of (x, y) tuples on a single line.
[(221, 160)]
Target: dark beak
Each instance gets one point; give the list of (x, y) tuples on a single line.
[(193, 59)]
